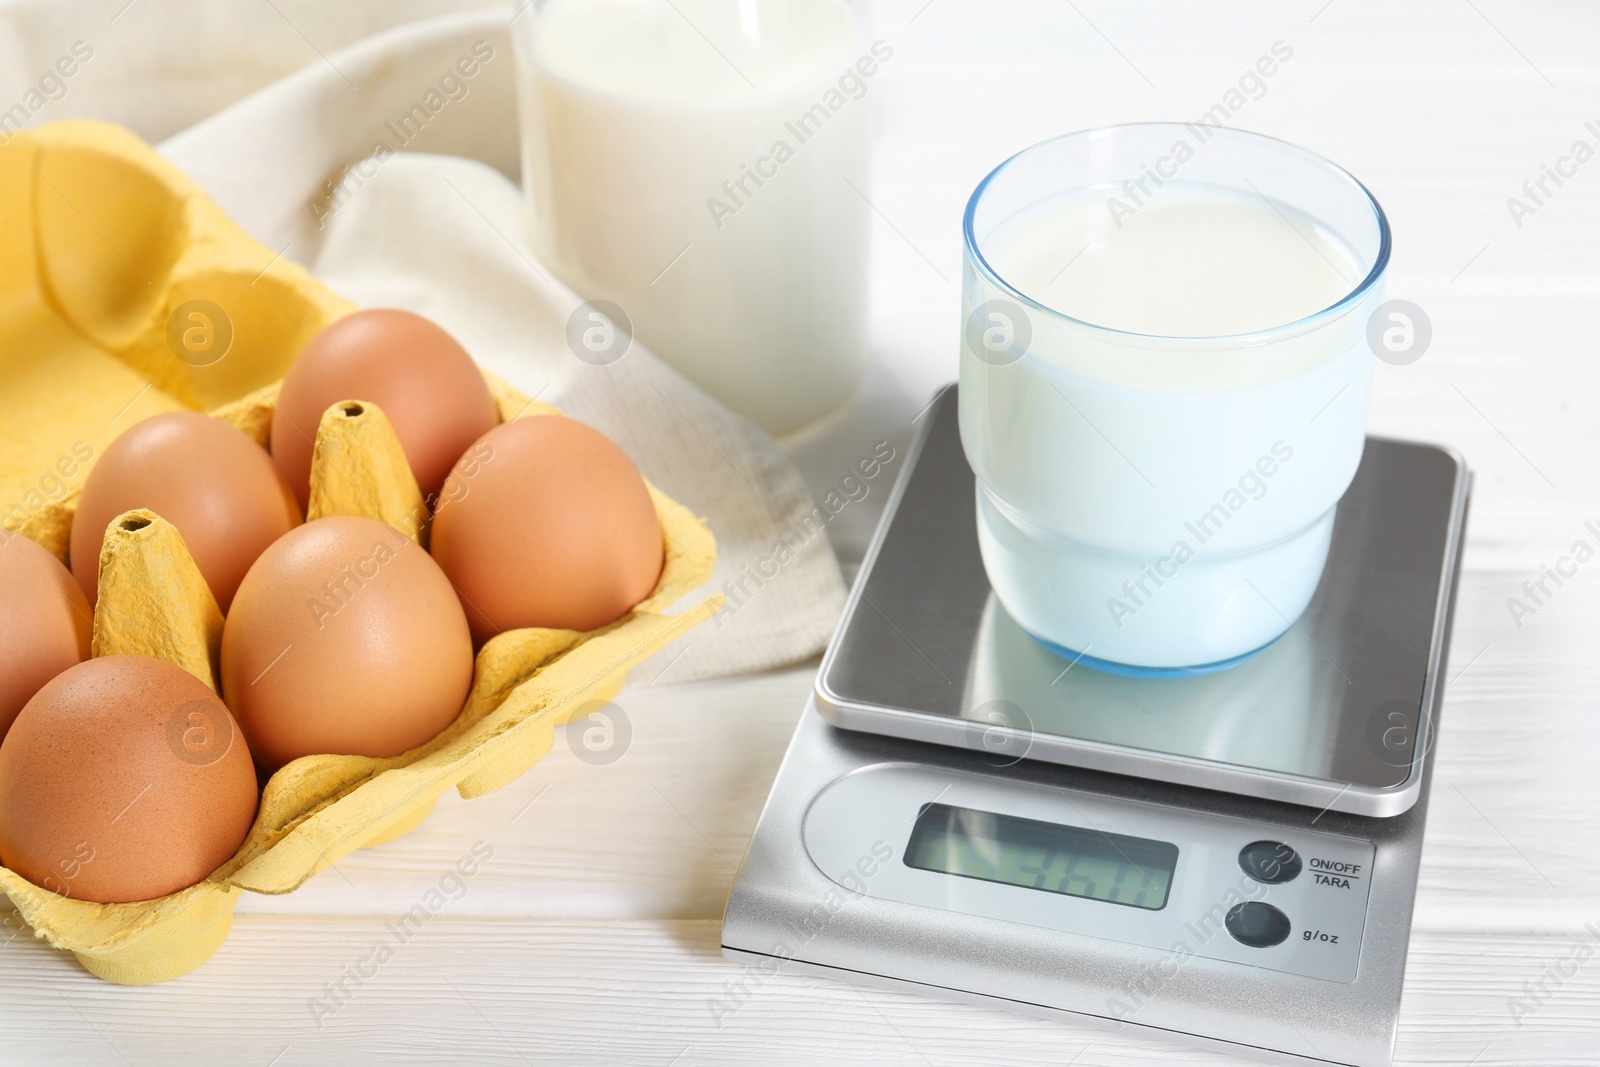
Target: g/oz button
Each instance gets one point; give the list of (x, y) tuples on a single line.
[(1257, 924), (1270, 862)]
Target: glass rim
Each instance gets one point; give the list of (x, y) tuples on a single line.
[(1337, 308), (523, 44)]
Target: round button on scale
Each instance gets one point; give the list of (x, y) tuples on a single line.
[(1269, 862), (1257, 924)]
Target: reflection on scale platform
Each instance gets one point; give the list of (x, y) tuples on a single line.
[(1242, 715)]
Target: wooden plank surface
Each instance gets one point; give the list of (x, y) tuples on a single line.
[(656, 992)]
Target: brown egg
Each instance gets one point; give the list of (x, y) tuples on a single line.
[(218, 487), (546, 522), (123, 779), (45, 622), (345, 638), (432, 392)]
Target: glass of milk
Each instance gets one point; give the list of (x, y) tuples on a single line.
[(702, 165), (1164, 382)]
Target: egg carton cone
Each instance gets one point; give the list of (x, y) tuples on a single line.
[(124, 293)]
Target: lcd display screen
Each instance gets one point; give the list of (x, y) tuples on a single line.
[(1048, 856)]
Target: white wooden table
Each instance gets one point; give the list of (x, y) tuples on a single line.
[(591, 935)]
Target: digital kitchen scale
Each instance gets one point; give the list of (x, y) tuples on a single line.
[(1227, 859)]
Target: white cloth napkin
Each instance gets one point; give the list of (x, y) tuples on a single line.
[(431, 222)]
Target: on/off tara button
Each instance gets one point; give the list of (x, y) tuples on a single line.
[(1270, 862)]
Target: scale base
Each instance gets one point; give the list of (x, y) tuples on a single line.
[(785, 915)]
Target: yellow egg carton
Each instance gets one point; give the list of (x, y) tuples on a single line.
[(125, 292)]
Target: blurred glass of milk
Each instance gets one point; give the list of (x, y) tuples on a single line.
[(702, 165)]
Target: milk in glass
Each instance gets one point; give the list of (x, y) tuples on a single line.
[(702, 164), (1158, 471)]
